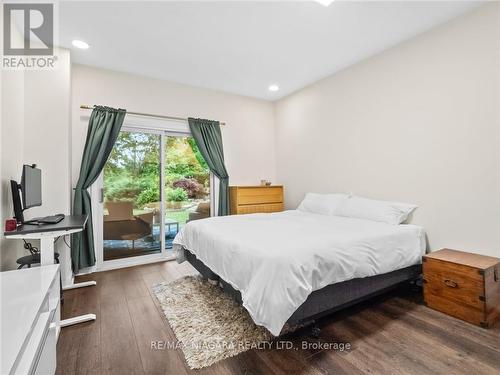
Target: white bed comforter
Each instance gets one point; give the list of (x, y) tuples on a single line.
[(277, 260)]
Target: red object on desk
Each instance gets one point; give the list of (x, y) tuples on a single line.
[(10, 225)]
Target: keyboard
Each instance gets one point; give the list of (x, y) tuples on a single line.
[(54, 219)]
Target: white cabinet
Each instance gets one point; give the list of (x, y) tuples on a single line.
[(30, 318)]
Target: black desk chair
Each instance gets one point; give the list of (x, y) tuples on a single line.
[(28, 260), (33, 258)]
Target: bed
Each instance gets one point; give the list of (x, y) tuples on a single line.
[(295, 266)]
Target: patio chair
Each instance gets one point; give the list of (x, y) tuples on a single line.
[(122, 224), (202, 211), (154, 207)]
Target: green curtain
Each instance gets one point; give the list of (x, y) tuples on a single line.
[(208, 137), (104, 126)]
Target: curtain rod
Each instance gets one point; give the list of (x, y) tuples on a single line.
[(83, 106)]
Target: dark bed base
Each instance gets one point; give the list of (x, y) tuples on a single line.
[(332, 297)]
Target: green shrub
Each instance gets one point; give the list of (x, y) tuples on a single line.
[(132, 172), (149, 195), (176, 195), (121, 187)]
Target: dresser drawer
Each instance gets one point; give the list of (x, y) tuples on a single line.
[(259, 195), (260, 208)]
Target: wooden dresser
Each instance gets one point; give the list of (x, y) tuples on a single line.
[(254, 199), (464, 285)]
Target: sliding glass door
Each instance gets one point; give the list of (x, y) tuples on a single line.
[(153, 184), (132, 202), (187, 184)]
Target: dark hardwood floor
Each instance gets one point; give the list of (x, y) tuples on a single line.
[(392, 334)]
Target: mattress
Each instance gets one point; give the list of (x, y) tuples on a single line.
[(277, 260)]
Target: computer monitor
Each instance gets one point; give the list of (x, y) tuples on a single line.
[(31, 190), (31, 186)]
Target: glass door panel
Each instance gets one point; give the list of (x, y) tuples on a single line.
[(132, 200), (187, 184)]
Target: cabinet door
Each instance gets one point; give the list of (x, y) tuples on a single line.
[(47, 361)]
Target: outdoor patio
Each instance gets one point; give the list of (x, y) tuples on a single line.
[(134, 189), (151, 243)]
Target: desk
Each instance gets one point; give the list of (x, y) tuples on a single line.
[(47, 233)]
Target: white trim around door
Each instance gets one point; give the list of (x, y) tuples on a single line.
[(163, 128)]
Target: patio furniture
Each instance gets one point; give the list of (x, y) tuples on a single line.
[(201, 212), (155, 208), (169, 222), (122, 224)]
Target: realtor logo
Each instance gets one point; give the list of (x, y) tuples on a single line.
[(37, 29), (28, 36)]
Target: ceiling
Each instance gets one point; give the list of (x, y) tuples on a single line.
[(243, 47)]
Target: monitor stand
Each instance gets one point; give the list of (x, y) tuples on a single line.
[(16, 200)]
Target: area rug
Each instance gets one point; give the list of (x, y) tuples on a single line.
[(209, 325)]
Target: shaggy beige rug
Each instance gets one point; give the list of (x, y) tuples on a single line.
[(209, 325)]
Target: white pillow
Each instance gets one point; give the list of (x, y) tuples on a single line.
[(386, 212), (323, 204)]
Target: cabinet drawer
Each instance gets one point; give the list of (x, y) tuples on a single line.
[(35, 346), (259, 195), (47, 361), (258, 208)]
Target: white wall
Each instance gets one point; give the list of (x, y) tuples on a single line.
[(11, 149), (249, 143), (46, 133), (47, 142), (35, 129), (418, 123)]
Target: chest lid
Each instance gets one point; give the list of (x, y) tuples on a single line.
[(481, 262)]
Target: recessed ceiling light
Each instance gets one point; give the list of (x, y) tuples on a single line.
[(80, 44), (273, 88), (325, 2)]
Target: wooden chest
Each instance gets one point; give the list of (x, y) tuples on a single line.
[(254, 199), (463, 285)]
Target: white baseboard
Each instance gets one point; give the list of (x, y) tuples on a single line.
[(128, 262)]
